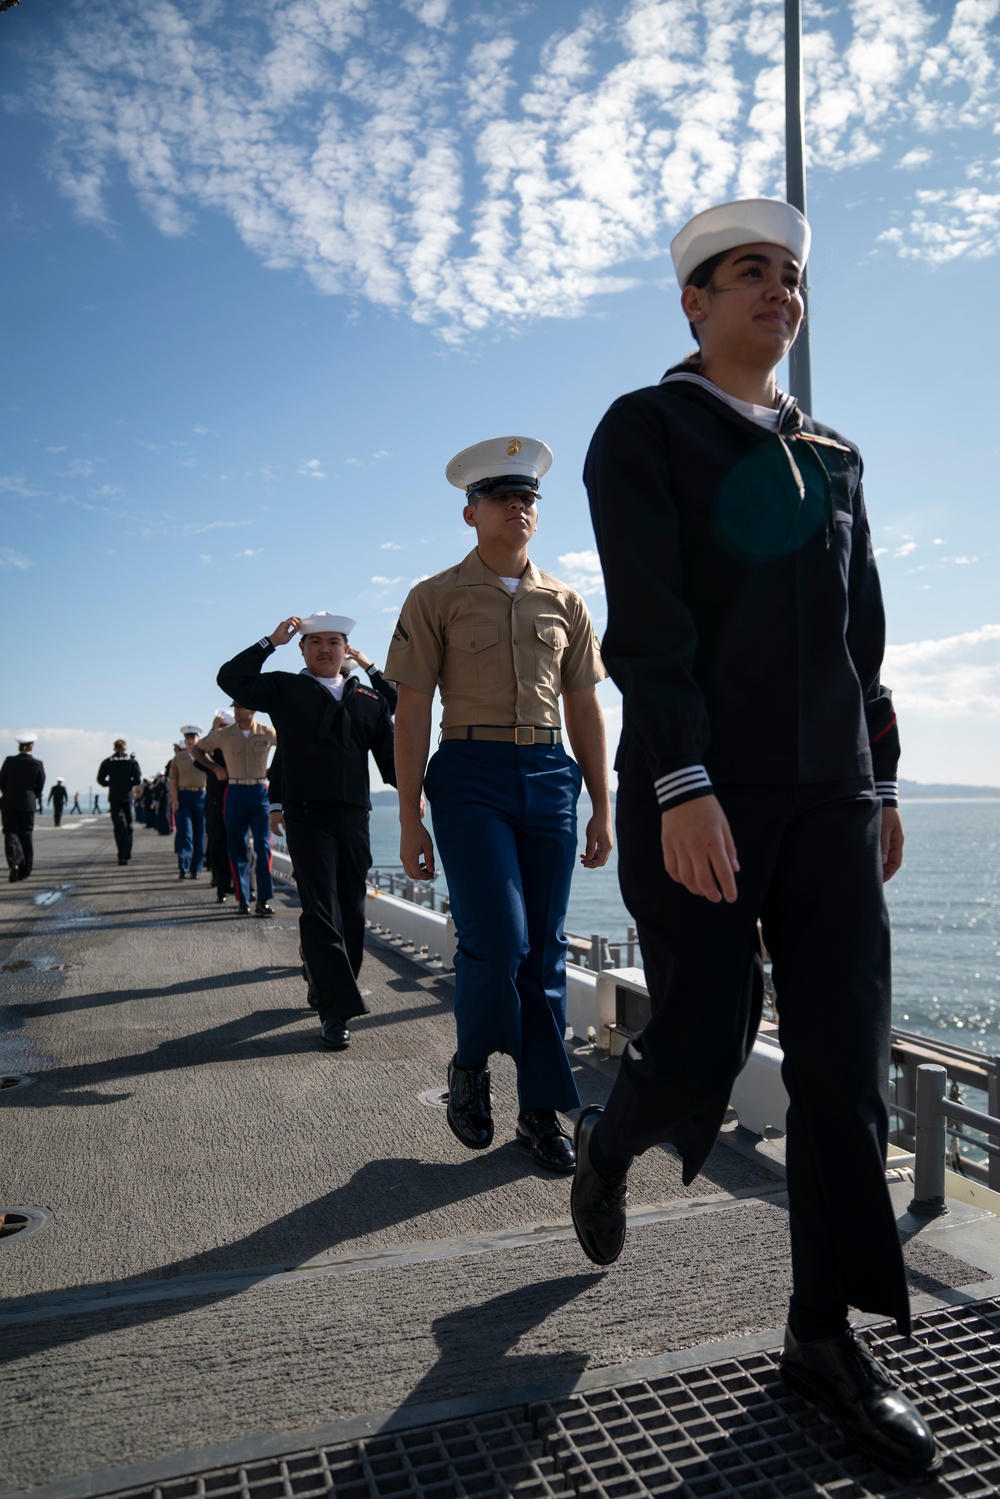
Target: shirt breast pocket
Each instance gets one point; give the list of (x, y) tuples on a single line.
[(550, 642), (472, 657)]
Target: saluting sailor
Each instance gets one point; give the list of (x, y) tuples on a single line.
[(757, 779), (187, 801), (502, 641), (245, 745), (326, 725)]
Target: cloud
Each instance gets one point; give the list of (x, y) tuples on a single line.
[(393, 155), (906, 550), (956, 676), (582, 571), (191, 529), (391, 546), (11, 561), (310, 468), (250, 552), (386, 582), (918, 157), (18, 484), (79, 468)]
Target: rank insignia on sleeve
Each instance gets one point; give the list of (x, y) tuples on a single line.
[(399, 633)]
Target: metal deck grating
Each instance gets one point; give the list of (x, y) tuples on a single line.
[(728, 1430)]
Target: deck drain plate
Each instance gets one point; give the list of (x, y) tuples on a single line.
[(16, 1223), (728, 1430), (11, 1080), (435, 1098)]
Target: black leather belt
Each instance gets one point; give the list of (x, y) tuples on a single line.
[(521, 734)]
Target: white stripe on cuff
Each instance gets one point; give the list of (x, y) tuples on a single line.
[(887, 790), (264, 642), (692, 778)]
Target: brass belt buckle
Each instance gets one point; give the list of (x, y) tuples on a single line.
[(524, 729)]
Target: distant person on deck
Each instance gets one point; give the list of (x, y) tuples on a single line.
[(121, 774), (757, 779), (245, 746), (58, 797), (76, 804), (187, 802), (22, 781)]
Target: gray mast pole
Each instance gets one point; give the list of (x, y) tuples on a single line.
[(799, 363)]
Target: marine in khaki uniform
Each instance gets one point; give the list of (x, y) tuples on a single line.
[(246, 746), (187, 802), (503, 641)]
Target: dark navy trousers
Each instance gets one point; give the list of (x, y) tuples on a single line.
[(247, 810), (189, 835), (505, 825), (811, 870)]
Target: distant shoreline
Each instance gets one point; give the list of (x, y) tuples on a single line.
[(908, 791)]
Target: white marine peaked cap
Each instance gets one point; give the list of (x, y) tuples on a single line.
[(748, 221), (190, 728), (26, 738), (500, 463), (322, 623), (225, 715)]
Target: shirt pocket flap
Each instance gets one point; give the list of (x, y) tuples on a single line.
[(554, 636), (465, 636)]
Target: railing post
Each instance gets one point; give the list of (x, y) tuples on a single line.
[(993, 1108), (631, 938), (594, 956), (931, 1142)]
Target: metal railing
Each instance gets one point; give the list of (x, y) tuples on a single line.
[(934, 1118)]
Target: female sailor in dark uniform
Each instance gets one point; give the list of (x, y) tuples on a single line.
[(757, 772)]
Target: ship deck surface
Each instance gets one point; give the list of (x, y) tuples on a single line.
[(273, 1265)]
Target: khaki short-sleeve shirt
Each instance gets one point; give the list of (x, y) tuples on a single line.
[(246, 758), (498, 660), (185, 773)]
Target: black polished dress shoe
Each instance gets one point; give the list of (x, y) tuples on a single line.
[(539, 1131), (263, 908), (844, 1378), (597, 1203), (14, 875), (220, 898), (469, 1115), (334, 1035), (243, 909), (194, 875), (182, 874)]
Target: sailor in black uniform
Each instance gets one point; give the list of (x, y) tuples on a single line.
[(121, 774), (58, 797), (326, 727), (757, 779), (22, 780)]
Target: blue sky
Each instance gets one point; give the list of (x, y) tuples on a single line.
[(267, 266)]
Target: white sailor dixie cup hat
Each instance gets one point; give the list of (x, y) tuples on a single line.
[(191, 728), (322, 623), (501, 464), (746, 222)]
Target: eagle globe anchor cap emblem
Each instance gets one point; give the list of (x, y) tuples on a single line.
[(500, 464)]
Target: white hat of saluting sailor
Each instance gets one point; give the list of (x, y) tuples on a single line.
[(191, 728), (322, 623), (750, 221), (500, 465)]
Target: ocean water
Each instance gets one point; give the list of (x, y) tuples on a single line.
[(944, 904)]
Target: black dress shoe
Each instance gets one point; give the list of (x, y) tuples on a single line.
[(243, 909), (122, 861), (220, 898), (844, 1378), (14, 875), (597, 1203), (539, 1131), (182, 874), (334, 1035), (194, 874), (263, 908), (469, 1116)]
